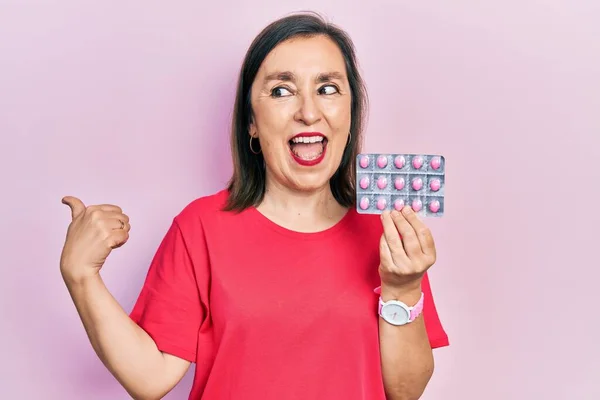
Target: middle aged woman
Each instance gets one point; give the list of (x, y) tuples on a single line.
[(268, 285)]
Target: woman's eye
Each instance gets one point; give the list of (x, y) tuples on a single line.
[(280, 92), (328, 89)]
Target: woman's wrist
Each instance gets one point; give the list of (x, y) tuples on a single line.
[(409, 293)]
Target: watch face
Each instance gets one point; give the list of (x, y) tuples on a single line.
[(395, 314)]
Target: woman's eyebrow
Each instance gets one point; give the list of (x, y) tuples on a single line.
[(288, 76), (285, 76), (329, 76)]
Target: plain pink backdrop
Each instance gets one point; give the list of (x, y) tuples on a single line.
[(129, 102)]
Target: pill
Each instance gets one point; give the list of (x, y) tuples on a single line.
[(417, 162), (417, 205), (382, 182), (399, 183), (382, 161), (434, 206), (399, 161), (364, 161), (364, 182), (417, 184), (399, 204), (364, 203), (436, 162), (381, 204), (435, 184)]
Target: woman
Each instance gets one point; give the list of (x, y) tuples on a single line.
[(268, 286)]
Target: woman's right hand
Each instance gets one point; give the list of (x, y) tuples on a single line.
[(93, 233)]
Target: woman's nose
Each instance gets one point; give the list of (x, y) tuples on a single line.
[(308, 111)]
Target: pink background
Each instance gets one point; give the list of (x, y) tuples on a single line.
[(128, 103)]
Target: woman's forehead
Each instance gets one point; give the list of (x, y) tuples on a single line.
[(303, 56)]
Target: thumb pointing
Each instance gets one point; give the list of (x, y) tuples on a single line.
[(77, 207)]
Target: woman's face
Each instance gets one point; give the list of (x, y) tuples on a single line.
[(301, 104)]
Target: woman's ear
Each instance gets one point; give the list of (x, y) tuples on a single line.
[(252, 129)]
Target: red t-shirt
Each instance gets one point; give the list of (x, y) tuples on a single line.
[(267, 313)]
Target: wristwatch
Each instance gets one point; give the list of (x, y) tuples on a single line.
[(397, 313)]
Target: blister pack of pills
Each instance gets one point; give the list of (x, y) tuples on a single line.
[(392, 181)]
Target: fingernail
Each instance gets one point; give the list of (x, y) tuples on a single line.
[(407, 210)]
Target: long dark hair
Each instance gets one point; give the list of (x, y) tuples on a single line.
[(247, 184)]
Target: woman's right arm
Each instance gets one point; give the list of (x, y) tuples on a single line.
[(125, 348)]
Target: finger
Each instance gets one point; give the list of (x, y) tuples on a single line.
[(409, 236), (117, 238), (121, 216), (77, 207), (98, 215), (393, 239), (385, 254), (117, 222), (423, 233), (127, 227), (106, 207)]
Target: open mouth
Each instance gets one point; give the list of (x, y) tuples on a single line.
[(308, 148)]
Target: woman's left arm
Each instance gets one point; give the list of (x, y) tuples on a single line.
[(407, 251), (406, 355)]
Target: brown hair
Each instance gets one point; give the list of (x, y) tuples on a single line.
[(247, 184)]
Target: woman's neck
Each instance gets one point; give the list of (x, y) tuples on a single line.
[(301, 211)]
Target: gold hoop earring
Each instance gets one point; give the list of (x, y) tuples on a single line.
[(251, 149)]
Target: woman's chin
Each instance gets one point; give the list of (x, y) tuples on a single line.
[(311, 183)]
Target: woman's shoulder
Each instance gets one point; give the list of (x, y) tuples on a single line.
[(203, 207), (207, 204)]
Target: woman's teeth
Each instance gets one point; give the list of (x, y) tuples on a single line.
[(307, 139)]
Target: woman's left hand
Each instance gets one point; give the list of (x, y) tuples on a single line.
[(406, 250)]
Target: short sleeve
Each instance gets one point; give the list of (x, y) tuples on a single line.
[(169, 307), (435, 330)]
